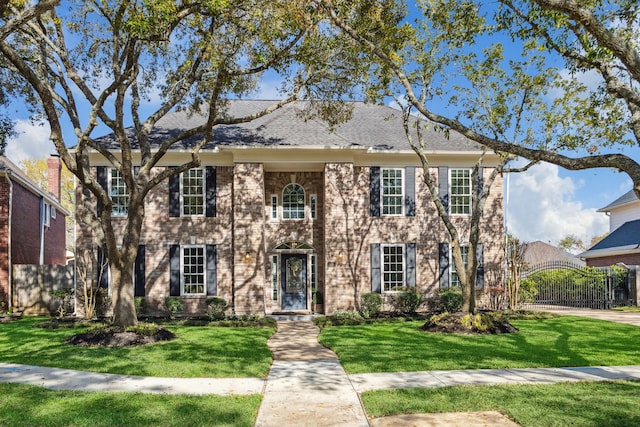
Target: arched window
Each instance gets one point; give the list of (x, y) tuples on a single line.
[(293, 202)]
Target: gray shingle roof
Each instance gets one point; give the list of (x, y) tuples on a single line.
[(620, 201), (628, 234), (372, 126)]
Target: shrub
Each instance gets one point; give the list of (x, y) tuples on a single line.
[(142, 307), (64, 300), (407, 301), (528, 291), (173, 305), (370, 305), (215, 308), (450, 300)]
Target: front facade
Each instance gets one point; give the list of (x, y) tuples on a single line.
[(32, 223), (284, 216)]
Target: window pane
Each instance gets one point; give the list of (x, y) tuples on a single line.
[(461, 191), (193, 192), (455, 280), (119, 194), (293, 202), (392, 192), (193, 270), (392, 267)]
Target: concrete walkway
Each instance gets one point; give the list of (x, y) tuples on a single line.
[(307, 385)]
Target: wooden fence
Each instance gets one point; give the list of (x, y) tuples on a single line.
[(33, 284)]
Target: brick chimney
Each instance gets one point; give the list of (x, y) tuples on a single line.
[(55, 170)]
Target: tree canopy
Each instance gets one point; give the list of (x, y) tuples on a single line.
[(109, 66), (515, 76)]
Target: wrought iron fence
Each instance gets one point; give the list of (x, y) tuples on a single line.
[(560, 284)]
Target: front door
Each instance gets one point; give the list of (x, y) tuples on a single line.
[(294, 282)]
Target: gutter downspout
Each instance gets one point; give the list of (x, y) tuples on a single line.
[(9, 273), (42, 207)]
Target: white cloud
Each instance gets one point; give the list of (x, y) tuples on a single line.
[(541, 205), (32, 142)]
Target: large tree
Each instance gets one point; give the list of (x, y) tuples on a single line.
[(510, 75), (119, 66)]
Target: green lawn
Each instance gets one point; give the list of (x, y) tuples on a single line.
[(581, 404), (556, 342), (23, 405), (197, 352)]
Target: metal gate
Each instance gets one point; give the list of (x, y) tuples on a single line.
[(560, 284)]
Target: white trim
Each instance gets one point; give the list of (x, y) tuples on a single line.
[(204, 270), (275, 260), (313, 206), (618, 250), (470, 195), (304, 197), (204, 193), (401, 195), (109, 190), (273, 209), (402, 247)]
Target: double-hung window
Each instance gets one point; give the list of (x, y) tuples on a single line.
[(118, 193), (393, 267), (460, 190), (392, 189), (193, 268), (455, 280), (192, 191), (293, 199)]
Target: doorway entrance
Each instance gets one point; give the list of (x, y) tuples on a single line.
[(294, 282)]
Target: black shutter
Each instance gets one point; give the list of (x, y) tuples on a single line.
[(174, 270), (410, 257), (443, 261), (443, 186), (101, 177), (480, 271), (174, 196), (212, 284), (410, 191), (374, 191), (102, 269), (376, 278), (139, 272), (480, 182), (210, 191)]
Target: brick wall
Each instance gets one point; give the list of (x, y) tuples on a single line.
[(4, 241), (628, 259), (25, 227)]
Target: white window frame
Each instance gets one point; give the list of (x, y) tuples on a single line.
[(313, 206), (203, 193), (385, 207), (455, 207), (286, 208), (53, 213), (274, 207), (183, 249), (387, 285), (119, 201), (454, 280), (47, 214), (275, 277), (313, 276)]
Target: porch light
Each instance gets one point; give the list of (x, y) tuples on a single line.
[(340, 256), (247, 257)]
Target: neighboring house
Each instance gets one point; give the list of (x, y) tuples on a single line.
[(622, 245), (284, 213), (32, 223), (538, 252)]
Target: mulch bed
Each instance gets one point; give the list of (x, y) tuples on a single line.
[(455, 323), (117, 337)]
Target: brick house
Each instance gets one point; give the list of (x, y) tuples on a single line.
[(284, 213), (32, 222), (622, 245)]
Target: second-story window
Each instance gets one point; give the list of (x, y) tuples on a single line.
[(392, 191), (460, 191), (192, 190), (118, 193), (293, 202)]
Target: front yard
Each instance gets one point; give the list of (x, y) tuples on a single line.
[(555, 342), (197, 352)]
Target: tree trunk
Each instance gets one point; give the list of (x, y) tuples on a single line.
[(124, 310)]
